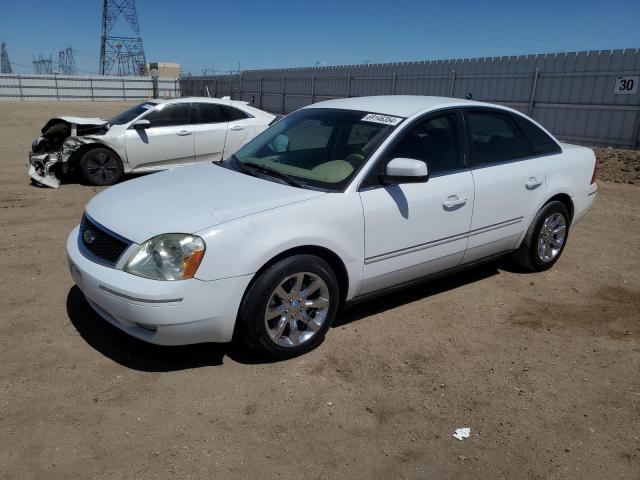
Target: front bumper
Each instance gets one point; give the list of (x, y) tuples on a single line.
[(161, 312), (40, 169)]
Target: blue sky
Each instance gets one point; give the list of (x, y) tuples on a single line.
[(273, 33)]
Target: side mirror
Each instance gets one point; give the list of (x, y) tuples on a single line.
[(141, 124), (404, 170)]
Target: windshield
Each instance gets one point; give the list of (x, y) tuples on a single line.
[(318, 147), (133, 112)]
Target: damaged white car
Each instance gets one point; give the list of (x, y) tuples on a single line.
[(154, 135)]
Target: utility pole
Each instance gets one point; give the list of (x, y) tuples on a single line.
[(5, 64), (124, 52), (66, 62)]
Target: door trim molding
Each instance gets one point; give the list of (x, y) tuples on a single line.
[(441, 241)]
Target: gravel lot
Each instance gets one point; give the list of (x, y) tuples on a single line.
[(543, 368)]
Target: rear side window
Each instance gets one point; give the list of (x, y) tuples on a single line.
[(538, 141), (495, 137), (233, 113), (208, 113), (168, 115), (434, 141)]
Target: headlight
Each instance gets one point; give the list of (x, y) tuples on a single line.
[(172, 256)]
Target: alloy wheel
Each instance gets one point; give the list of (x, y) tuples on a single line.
[(297, 309), (552, 237)]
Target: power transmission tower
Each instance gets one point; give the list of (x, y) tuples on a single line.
[(66, 62), (43, 65), (126, 53), (5, 66)]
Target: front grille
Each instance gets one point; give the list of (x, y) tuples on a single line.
[(98, 244)]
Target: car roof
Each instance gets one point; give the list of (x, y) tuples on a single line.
[(397, 105), (223, 101)]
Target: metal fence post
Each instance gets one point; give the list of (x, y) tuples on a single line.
[(240, 86), (20, 88), (124, 96), (348, 85), (260, 101), (55, 79), (284, 84), (636, 132), (313, 89), (393, 84), (453, 82), (215, 94), (91, 87), (533, 91)]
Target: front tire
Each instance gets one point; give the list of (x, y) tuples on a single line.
[(288, 309), (101, 167), (546, 238)]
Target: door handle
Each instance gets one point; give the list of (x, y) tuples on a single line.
[(454, 201), (183, 133), (533, 182), (237, 127)]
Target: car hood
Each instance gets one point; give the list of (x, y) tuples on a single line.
[(187, 200), (58, 123)]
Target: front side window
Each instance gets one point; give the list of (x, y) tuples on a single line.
[(168, 115), (435, 141), (315, 146)]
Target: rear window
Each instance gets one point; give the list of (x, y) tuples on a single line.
[(495, 137), (538, 141)]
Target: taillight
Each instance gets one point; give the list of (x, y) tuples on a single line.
[(596, 167)]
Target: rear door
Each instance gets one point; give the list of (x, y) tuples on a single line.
[(239, 131), (168, 142), (210, 131), (509, 182)]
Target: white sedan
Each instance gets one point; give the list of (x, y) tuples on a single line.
[(336, 202), (154, 135)]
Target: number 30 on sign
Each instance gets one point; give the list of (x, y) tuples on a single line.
[(626, 86)]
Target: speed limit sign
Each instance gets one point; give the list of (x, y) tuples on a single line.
[(626, 86)]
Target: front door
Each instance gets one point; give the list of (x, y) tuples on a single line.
[(413, 230), (169, 140)]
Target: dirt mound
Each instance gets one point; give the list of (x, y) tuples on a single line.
[(619, 166)]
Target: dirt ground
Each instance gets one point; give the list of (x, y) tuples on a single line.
[(544, 368)]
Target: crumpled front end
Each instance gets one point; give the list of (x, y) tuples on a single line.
[(61, 138)]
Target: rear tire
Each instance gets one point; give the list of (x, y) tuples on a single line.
[(288, 309), (545, 239), (100, 167)]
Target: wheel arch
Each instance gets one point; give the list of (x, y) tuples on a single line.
[(566, 200), (77, 155), (329, 256)]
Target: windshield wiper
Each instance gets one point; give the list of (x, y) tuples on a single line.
[(273, 172)]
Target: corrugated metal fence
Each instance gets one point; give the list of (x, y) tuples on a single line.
[(79, 88), (585, 97)]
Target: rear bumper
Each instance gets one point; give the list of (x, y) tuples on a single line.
[(583, 202), (161, 312)]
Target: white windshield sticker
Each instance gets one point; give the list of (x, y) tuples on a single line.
[(384, 119), (148, 106)]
